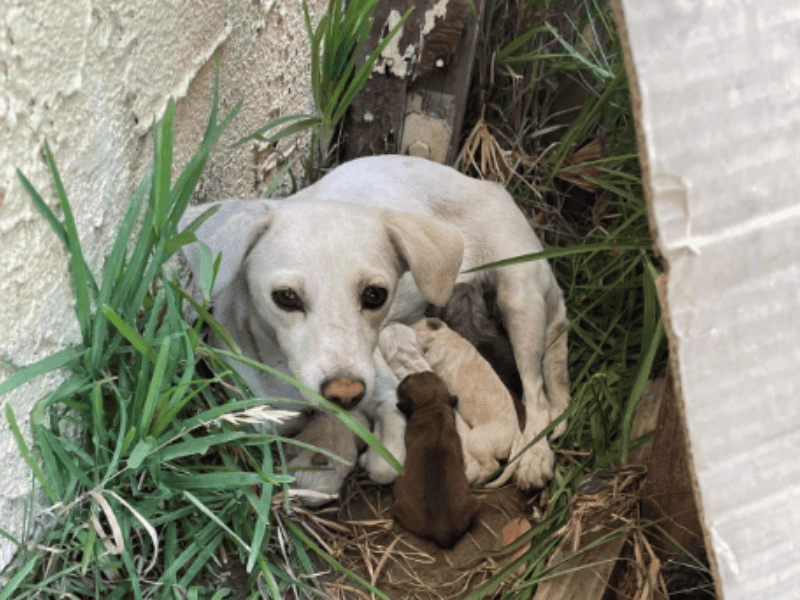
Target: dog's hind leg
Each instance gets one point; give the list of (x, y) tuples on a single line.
[(521, 301), (556, 375)]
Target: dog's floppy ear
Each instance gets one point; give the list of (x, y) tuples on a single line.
[(229, 231), (432, 253)]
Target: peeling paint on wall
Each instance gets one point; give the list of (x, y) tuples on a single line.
[(90, 78)]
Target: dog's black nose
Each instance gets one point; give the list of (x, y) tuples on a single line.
[(344, 391)]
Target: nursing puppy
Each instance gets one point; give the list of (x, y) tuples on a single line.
[(432, 499), (487, 419), (472, 313)]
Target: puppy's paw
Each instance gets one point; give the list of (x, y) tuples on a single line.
[(378, 469), (535, 467)]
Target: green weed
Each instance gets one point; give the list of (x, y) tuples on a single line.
[(146, 451)]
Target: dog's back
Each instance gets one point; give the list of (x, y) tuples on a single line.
[(432, 499)]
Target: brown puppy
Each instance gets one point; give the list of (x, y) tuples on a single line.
[(432, 499)]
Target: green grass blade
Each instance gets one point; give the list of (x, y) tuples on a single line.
[(162, 172), (259, 133), (212, 117), (199, 446), (57, 446), (202, 311), (560, 252), (643, 371), (113, 268), (262, 509), (133, 336), (26, 454), (307, 541), (210, 514), (12, 585), (196, 223), (154, 391), (220, 480), (82, 280), (42, 207), (365, 70), (57, 360), (187, 181)]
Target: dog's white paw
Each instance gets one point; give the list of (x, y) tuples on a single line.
[(535, 467), (320, 474), (377, 468), (324, 477)]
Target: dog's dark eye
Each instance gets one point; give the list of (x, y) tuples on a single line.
[(287, 300), (373, 297)]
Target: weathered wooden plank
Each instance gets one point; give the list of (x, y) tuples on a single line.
[(414, 102)]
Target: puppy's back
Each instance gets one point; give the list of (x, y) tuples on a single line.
[(432, 499)]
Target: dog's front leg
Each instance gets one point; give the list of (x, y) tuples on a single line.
[(389, 424), (318, 475)]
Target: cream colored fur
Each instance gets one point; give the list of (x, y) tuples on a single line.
[(486, 419)]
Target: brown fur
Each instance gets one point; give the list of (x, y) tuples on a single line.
[(432, 499)]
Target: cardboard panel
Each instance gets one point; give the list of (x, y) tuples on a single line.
[(718, 87)]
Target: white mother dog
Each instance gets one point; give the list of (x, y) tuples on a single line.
[(307, 282)]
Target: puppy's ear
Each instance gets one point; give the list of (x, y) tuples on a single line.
[(226, 231), (432, 253), (405, 406), (453, 402)]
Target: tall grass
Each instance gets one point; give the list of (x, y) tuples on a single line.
[(580, 181), (157, 480), (337, 75)]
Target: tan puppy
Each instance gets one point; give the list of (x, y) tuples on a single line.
[(432, 498), (486, 418), (472, 313)]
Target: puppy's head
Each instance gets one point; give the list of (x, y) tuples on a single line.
[(319, 277), (422, 389), (428, 330)]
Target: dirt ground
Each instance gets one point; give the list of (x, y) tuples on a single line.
[(360, 533)]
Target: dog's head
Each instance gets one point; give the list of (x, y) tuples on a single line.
[(419, 390), (320, 277)]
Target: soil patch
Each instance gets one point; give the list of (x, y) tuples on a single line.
[(360, 533)]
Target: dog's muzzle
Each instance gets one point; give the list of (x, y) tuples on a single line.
[(344, 391)]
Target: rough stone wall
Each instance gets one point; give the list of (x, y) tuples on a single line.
[(90, 78)]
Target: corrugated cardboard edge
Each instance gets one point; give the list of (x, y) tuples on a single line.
[(661, 287)]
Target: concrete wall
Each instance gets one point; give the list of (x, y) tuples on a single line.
[(90, 78)]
